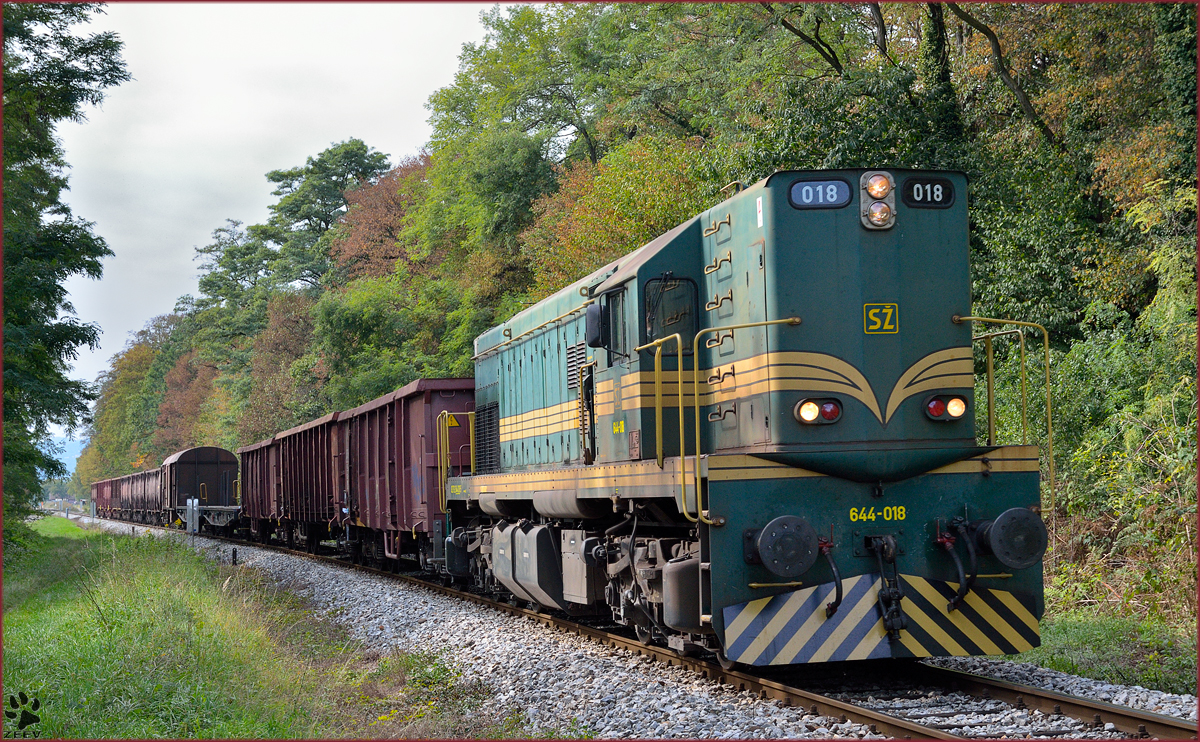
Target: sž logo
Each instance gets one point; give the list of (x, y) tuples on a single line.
[(21, 708)]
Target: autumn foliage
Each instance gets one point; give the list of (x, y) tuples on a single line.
[(370, 238), (600, 212), (274, 405), (182, 410)]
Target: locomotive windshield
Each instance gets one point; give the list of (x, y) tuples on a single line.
[(670, 309)]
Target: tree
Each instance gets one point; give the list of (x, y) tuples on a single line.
[(311, 199), (50, 75), (277, 403), (638, 191), (537, 72), (112, 449), (189, 386), (369, 238)]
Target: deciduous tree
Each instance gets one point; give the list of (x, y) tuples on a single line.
[(50, 75), (369, 238)]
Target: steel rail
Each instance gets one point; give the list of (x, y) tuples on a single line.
[(1128, 720), (1135, 722)]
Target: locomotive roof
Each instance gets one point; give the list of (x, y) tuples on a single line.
[(621, 270), (631, 263), (781, 173), (570, 297)]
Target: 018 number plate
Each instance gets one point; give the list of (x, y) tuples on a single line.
[(819, 194), (927, 193)]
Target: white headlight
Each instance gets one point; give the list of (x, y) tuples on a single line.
[(879, 213), (879, 186)]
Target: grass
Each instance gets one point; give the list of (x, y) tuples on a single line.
[(126, 637), (1123, 650), (123, 637), (57, 526), (1124, 615)]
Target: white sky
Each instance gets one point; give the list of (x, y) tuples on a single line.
[(221, 94)]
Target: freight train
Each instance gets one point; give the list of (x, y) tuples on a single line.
[(753, 436), (159, 496)]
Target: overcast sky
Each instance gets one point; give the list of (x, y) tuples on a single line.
[(221, 94)]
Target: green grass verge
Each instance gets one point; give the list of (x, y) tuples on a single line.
[(123, 637), (1127, 651), (56, 525)]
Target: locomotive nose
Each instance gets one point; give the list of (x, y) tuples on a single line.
[(1017, 537)]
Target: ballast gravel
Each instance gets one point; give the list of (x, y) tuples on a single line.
[(564, 683), (1133, 696), (561, 682)]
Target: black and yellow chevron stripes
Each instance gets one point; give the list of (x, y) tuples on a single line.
[(987, 622), (792, 628)]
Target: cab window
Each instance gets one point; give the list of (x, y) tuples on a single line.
[(619, 337), (670, 309)]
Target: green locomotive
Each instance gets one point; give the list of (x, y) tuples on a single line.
[(755, 435)]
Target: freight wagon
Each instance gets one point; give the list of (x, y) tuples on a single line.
[(367, 477), (159, 496)]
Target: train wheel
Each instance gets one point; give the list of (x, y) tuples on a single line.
[(643, 634)]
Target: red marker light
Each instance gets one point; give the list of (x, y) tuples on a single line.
[(830, 411), (937, 407)]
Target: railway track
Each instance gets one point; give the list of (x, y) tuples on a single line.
[(904, 703)]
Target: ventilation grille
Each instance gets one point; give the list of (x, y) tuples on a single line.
[(576, 357), (487, 439)]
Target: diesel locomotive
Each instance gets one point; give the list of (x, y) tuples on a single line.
[(755, 435)]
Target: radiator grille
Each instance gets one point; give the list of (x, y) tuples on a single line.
[(576, 357), (487, 439)]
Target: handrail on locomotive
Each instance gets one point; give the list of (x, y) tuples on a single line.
[(989, 350), (658, 413), (956, 319), (718, 521)]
